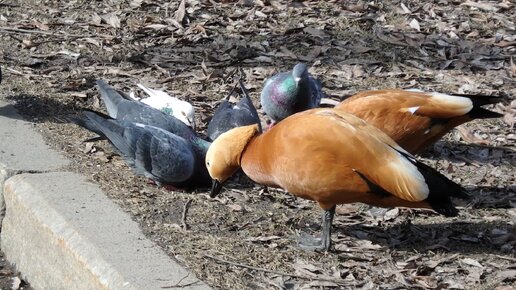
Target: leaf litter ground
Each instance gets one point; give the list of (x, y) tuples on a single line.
[(52, 52)]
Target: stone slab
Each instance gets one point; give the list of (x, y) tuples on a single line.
[(22, 149), (62, 232)]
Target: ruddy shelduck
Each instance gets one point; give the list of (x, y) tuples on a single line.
[(415, 119), (331, 157)]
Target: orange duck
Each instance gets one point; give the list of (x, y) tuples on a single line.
[(416, 119), (330, 157)]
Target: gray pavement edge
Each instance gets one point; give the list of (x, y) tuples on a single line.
[(62, 232)]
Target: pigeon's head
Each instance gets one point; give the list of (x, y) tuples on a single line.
[(223, 156), (188, 114), (299, 72), (184, 111)]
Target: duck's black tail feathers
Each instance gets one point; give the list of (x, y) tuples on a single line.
[(481, 100), (441, 188)]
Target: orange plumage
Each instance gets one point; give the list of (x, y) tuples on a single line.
[(416, 119), (331, 157)]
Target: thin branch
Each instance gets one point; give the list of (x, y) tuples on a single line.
[(275, 272), (19, 30), (185, 211), (182, 285)]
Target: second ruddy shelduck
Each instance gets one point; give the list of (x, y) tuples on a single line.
[(415, 119), (331, 157)]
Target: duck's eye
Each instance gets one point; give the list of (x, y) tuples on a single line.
[(208, 164)]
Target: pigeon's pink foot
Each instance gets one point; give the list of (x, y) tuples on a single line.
[(169, 187), (270, 125)]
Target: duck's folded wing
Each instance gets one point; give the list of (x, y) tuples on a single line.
[(432, 105), (375, 156)]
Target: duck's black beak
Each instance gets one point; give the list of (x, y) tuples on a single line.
[(215, 188)]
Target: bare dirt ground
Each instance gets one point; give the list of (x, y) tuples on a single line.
[(53, 51)]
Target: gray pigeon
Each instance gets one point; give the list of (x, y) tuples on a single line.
[(152, 152), (227, 116), (287, 93), (124, 108)]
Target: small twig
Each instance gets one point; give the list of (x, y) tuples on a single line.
[(181, 286), (185, 211), (506, 258), (274, 272), (25, 74), (19, 30)]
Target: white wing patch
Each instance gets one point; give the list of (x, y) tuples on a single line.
[(412, 110)]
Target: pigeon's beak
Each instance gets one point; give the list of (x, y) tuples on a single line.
[(297, 80), (192, 123), (215, 188)]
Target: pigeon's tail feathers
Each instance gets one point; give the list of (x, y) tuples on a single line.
[(112, 129), (86, 121), (247, 102), (101, 124), (110, 97)]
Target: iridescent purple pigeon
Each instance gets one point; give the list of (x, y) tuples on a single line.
[(287, 93)]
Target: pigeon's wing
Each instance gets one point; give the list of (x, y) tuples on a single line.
[(220, 122), (150, 151), (163, 156)]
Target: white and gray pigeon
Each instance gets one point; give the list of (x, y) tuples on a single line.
[(125, 109), (228, 116), (287, 93), (152, 152), (182, 110)]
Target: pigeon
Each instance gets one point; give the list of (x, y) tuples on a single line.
[(287, 93), (227, 116), (152, 152), (162, 101), (123, 108)]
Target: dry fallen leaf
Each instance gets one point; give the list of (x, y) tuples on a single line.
[(414, 24), (471, 262), (111, 19), (481, 5), (180, 12), (469, 137)]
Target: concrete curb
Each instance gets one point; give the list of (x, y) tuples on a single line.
[(62, 232)]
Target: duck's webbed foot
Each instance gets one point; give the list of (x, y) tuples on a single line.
[(322, 243)]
